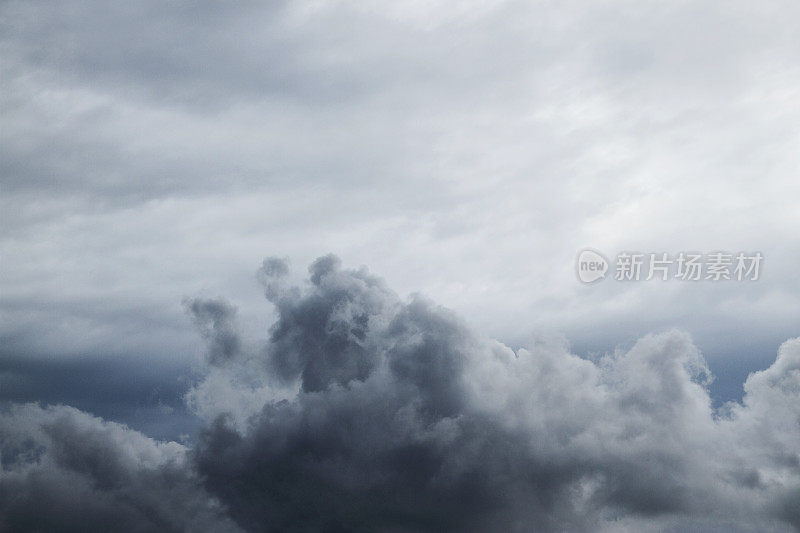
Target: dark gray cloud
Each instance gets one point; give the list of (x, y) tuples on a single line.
[(65, 470), (216, 319), (363, 411), (404, 420)]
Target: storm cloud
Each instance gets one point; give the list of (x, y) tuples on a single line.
[(405, 420), (364, 411)]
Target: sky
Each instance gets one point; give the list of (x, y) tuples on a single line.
[(165, 166)]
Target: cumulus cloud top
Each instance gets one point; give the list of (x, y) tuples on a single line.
[(404, 418), (364, 411)]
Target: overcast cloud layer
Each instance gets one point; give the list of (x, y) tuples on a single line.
[(366, 412), (466, 151), (151, 154)]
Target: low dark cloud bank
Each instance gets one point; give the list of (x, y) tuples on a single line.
[(367, 412)]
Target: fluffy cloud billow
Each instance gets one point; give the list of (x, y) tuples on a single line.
[(368, 412), (65, 470)]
